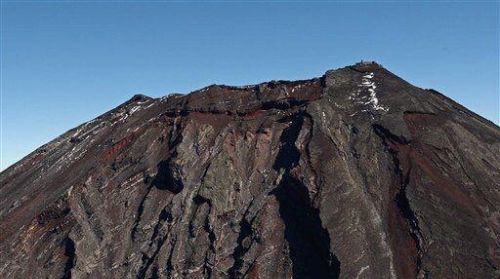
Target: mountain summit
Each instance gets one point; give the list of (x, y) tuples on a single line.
[(356, 174)]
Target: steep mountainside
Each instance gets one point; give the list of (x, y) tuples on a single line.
[(357, 174)]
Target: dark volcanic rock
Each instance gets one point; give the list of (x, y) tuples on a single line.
[(356, 174)]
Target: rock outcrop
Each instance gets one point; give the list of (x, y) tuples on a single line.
[(357, 174)]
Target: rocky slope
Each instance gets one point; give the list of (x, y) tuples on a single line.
[(356, 174)]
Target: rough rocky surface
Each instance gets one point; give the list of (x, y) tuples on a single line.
[(357, 174)]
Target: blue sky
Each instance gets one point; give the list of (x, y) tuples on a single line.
[(64, 63)]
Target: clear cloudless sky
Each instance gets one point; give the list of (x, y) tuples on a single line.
[(66, 62)]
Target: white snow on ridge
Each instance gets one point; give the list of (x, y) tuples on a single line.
[(362, 270), (369, 76), (124, 113), (370, 86), (134, 109)]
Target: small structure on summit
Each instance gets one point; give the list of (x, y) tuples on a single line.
[(368, 62)]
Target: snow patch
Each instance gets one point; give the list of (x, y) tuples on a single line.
[(170, 95), (362, 270), (367, 83), (371, 99), (297, 87), (134, 109), (123, 114)]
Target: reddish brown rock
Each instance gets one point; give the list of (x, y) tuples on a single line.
[(356, 174)]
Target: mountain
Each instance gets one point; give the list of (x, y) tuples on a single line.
[(356, 174)]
